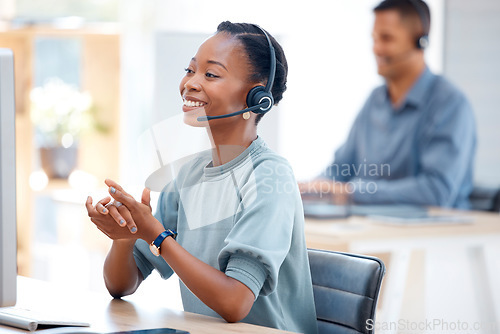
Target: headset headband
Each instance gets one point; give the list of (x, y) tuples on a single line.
[(272, 69), (423, 40)]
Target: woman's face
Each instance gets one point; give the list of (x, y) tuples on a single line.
[(216, 81)]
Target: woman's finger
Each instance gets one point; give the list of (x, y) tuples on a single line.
[(101, 205), (113, 212), (111, 183), (125, 213), (88, 205), (146, 197), (122, 198)]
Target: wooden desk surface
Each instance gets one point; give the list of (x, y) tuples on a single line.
[(107, 315), (339, 234)]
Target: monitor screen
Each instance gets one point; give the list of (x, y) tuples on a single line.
[(8, 240)]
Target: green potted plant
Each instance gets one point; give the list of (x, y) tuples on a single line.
[(60, 113)]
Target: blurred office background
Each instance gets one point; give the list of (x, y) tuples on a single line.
[(129, 57)]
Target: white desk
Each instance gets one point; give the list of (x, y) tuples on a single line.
[(433, 272), (105, 314)]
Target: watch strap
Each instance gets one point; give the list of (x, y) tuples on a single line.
[(165, 234), (155, 245)]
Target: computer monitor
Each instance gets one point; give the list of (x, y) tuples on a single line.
[(8, 239)]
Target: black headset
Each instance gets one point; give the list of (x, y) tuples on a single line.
[(259, 99), (422, 41), (262, 95)]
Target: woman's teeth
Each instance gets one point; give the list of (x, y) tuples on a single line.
[(189, 103)]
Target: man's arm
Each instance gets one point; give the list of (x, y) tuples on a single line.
[(447, 151)]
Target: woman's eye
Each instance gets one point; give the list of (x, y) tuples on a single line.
[(210, 75), (188, 70)]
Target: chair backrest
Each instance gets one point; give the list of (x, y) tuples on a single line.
[(496, 202), (485, 199), (346, 288)]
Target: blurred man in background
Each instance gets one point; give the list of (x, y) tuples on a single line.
[(414, 140)]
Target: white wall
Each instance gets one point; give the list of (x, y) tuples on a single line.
[(472, 63), (7, 9)]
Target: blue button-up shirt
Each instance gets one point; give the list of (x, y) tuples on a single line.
[(421, 152)]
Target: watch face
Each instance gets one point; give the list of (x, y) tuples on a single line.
[(155, 250)]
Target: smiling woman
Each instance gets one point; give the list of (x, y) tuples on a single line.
[(240, 248)]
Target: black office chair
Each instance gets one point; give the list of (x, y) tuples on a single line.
[(346, 289), (496, 202), (485, 199)]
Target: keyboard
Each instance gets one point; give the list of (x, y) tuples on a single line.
[(31, 320)]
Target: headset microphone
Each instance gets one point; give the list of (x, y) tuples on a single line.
[(254, 109), (259, 99)]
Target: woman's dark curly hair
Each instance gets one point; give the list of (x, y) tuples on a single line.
[(256, 47)]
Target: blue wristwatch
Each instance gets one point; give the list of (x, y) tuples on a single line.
[(154, 247)]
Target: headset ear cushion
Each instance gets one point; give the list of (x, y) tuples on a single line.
[(258, 94), (423, 42), (252, 99)]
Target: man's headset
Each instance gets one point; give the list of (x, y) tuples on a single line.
[(422, 41), (259, 99)]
